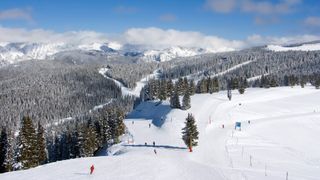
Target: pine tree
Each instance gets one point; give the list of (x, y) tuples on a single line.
[(192, 87), (179, 86), (174, 100), (242, 85), (41, 145), (89, 140), (215, 85), (106, 128), (186, 100), (27, 145), (229, 94), (3, 149), (234, 83), (162, 95), (317, 83), (169, 88), (190, 132), (120, 126), (9, 161), (241, 89), (273, 82)]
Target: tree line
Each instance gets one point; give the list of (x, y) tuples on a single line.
[(82, 137)]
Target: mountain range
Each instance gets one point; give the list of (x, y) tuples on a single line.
[(15, 52)]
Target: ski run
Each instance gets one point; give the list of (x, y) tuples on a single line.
[(279, 140)]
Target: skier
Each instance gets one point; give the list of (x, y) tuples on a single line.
[(149, 125), (155, 151), (154, 144), (222, 126), (91, 169), (145, 144)]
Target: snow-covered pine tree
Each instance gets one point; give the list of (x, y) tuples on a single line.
[(162, 95), (89, 141), (185, 84), (192, 87), (273, 82), (106, 128), (186, 101), (174, 100), (41, 145), (75, 148), (242, 85), (210, 85), (27, 156), (215, 85), (170, 87), (190, 132), (120, 126), (9, 161), (179, 86), (303, 81), (234, 83)]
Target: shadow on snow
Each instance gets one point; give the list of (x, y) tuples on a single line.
[(156, 146), (154, 110)]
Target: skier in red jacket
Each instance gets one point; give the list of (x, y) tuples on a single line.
[(91, 169)]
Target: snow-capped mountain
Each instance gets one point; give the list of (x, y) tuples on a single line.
[(15, 52), (171, 53), (310, 46)]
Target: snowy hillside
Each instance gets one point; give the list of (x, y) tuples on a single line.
[(171, 53), (15, 52), (280, 140), (300, 47)]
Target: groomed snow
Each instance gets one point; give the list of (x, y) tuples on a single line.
[(283, 136), (139, 85), (304, 47)]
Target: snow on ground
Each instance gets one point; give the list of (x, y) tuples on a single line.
[(282, 137), (256, 77), (198, 75), (303, 47), (232, 68), (139, 85)]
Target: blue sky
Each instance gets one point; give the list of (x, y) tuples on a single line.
[(227, 19)]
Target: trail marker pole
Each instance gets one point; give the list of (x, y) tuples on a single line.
[(250, 161), (287, 176), (265, 170)]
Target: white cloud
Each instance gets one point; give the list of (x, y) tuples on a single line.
[(312, 21), (47, 36), (161, 38), (255, 40), (149, 37), (16, 14)]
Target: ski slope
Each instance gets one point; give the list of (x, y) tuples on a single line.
[(282, 137), (303, 47), (139, 85)]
